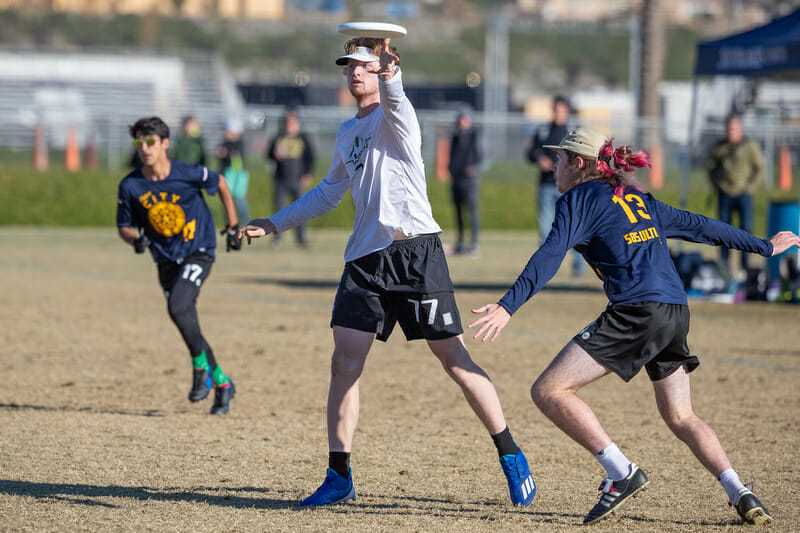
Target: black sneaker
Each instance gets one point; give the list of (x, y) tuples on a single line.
[(222, 399), (201, 385), (614, 493), (751, 509)]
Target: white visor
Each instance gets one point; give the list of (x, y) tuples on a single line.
[(361, 53)]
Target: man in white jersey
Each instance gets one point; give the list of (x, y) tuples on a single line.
[(395, 268)]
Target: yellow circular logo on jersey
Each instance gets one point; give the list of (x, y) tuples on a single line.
[(167, 218)]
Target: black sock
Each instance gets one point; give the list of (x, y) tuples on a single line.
[(339, 462), (505, 444)]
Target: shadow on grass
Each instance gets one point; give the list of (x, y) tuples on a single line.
[(468, 286), (251, 498), (84, 494), (93, 410)]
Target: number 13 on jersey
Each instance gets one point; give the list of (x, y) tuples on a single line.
[(641, 210)]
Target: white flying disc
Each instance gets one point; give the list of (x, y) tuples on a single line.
[(371, 29)]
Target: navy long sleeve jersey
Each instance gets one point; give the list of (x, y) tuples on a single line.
[(172, 211), (624, 239)]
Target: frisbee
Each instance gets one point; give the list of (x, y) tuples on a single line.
[(371, 29)]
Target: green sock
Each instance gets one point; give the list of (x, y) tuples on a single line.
[(219, 377), (200, 362)]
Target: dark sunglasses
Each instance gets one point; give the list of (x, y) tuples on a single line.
[(149, 141)]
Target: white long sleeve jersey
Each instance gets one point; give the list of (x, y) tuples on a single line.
[(379, 158)]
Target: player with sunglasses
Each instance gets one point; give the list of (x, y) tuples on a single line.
[(160, 206)]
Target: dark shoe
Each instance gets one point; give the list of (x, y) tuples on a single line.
[(335, 489), (201, 385), (751, 509), (615, 493), (222, 398)]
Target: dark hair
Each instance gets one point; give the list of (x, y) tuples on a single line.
[(186, 119), (561, 99), (149, 126), (733, 116)]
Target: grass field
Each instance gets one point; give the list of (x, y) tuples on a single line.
[(97, 433)]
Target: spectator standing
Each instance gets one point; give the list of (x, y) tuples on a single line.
[(231, 161), (545, 158), (294, 161), (736, 171), (465, 157), (189, 144)]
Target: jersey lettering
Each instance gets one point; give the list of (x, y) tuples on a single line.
[(641, 236), (189, 229)]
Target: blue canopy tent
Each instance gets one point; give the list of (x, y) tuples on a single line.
[(766, 51), (771, 50)]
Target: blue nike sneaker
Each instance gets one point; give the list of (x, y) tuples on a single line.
[(335, 489), (520, 481)]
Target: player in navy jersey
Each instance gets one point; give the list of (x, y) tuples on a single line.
[(160, 206), (622, 232)]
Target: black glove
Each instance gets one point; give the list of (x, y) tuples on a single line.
[(232, 241), (141, 244)]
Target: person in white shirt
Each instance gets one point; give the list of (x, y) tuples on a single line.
[(395, 268)]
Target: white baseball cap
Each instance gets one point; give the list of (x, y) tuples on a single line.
[(361, 53), (582, 141)]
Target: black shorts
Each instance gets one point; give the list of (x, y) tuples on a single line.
[(627, 337), (407, 282), (189, 273)]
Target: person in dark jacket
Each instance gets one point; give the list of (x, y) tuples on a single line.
[(545, 159), (294, 161), (463, 164)]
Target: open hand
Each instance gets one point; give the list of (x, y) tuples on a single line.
[(388, 61), (784, 240), (256, 228), (493, 321)]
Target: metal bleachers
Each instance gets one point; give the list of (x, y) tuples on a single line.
[(100, 94)]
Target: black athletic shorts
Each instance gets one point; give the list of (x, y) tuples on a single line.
[(190, 273), (407, 282), (627, 337)]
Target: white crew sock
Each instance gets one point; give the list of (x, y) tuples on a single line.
[(616, 464), (733, 487)]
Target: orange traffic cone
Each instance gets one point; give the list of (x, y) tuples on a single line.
[(72, 153), (41, 159), (442, 159), (657, 170), (785, 169)]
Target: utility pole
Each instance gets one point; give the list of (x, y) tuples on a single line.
[(495, 86), (651, 70)]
